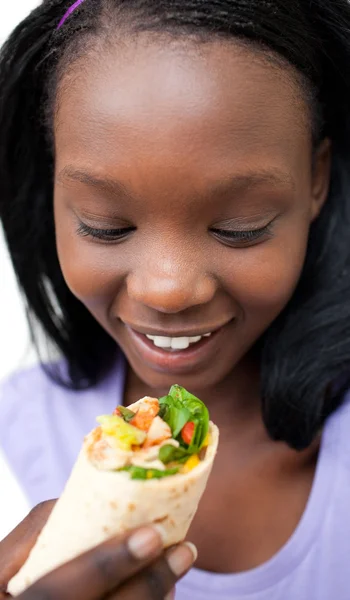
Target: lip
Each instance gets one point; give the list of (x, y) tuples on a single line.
[(174, 334), (176, 361)]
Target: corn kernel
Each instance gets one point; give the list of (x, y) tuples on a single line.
[(206, 441), (190, 464)]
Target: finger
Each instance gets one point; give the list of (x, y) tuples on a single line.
[(96, 573), (15, 548), (157, 581)]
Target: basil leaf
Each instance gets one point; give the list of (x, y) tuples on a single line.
[(174, 413), (144, 474), (198, 414), (169, 453), (126, 413)]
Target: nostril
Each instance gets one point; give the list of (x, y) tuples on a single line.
[(171, 295)]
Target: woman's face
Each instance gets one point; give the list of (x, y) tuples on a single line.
[(184, 194)]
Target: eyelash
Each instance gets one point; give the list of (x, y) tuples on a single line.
[(243, 237), (107, 235), (230, 237)]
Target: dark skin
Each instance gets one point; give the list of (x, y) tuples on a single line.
[(178, 144), (112, 571), (202, 151)]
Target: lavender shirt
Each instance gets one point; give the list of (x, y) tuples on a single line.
[(41, 431)]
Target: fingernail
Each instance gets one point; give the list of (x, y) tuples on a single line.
[(162, 532), (171, 595), (145, 542), (182, 558)]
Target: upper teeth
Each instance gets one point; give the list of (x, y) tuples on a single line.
[(175, 343)]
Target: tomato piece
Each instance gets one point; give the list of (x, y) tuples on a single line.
[(187, 432)]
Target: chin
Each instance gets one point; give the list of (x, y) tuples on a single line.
[(195, 382)]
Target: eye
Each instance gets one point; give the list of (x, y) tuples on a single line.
[(105, 235), (242, 238)]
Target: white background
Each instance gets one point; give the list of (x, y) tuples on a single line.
[(15, 350)]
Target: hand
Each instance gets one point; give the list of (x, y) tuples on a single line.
[(15, 548), (123, 568)]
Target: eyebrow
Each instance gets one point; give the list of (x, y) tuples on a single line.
[(253, 179), (236, 183), (106, 184)]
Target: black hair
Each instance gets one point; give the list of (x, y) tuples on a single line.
[(305, 354)]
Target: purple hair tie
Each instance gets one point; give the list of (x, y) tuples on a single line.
[(69, 12)]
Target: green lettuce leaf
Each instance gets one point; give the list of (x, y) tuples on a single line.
[(142, 473), (169, 453), (126, 413)]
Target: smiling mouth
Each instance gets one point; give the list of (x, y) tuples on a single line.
[(180, 342), (178, 352), (176, 344)]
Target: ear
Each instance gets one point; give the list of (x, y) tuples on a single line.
[(321, 175)]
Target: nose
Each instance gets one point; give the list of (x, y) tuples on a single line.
[(171, 285)]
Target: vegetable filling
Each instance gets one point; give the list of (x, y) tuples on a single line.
[(153, 439)]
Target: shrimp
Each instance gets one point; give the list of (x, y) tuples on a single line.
[(147, 409), (158, 432)]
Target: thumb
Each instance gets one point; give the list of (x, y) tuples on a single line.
[(15, 548)]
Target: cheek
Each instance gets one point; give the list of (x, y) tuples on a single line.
[(89, 269), (264, 277)]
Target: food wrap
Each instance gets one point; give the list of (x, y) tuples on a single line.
[(98, 503)]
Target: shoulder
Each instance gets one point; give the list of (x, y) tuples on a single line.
[(19, 380), (33, 396), (32, 401), (23, 393), (42, 425), (18, 391), (36, 414), (337, 430), (26, 401)]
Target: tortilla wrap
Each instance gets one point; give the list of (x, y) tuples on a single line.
[(98, 504)]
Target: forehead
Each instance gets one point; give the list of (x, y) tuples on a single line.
[(185, 106)]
